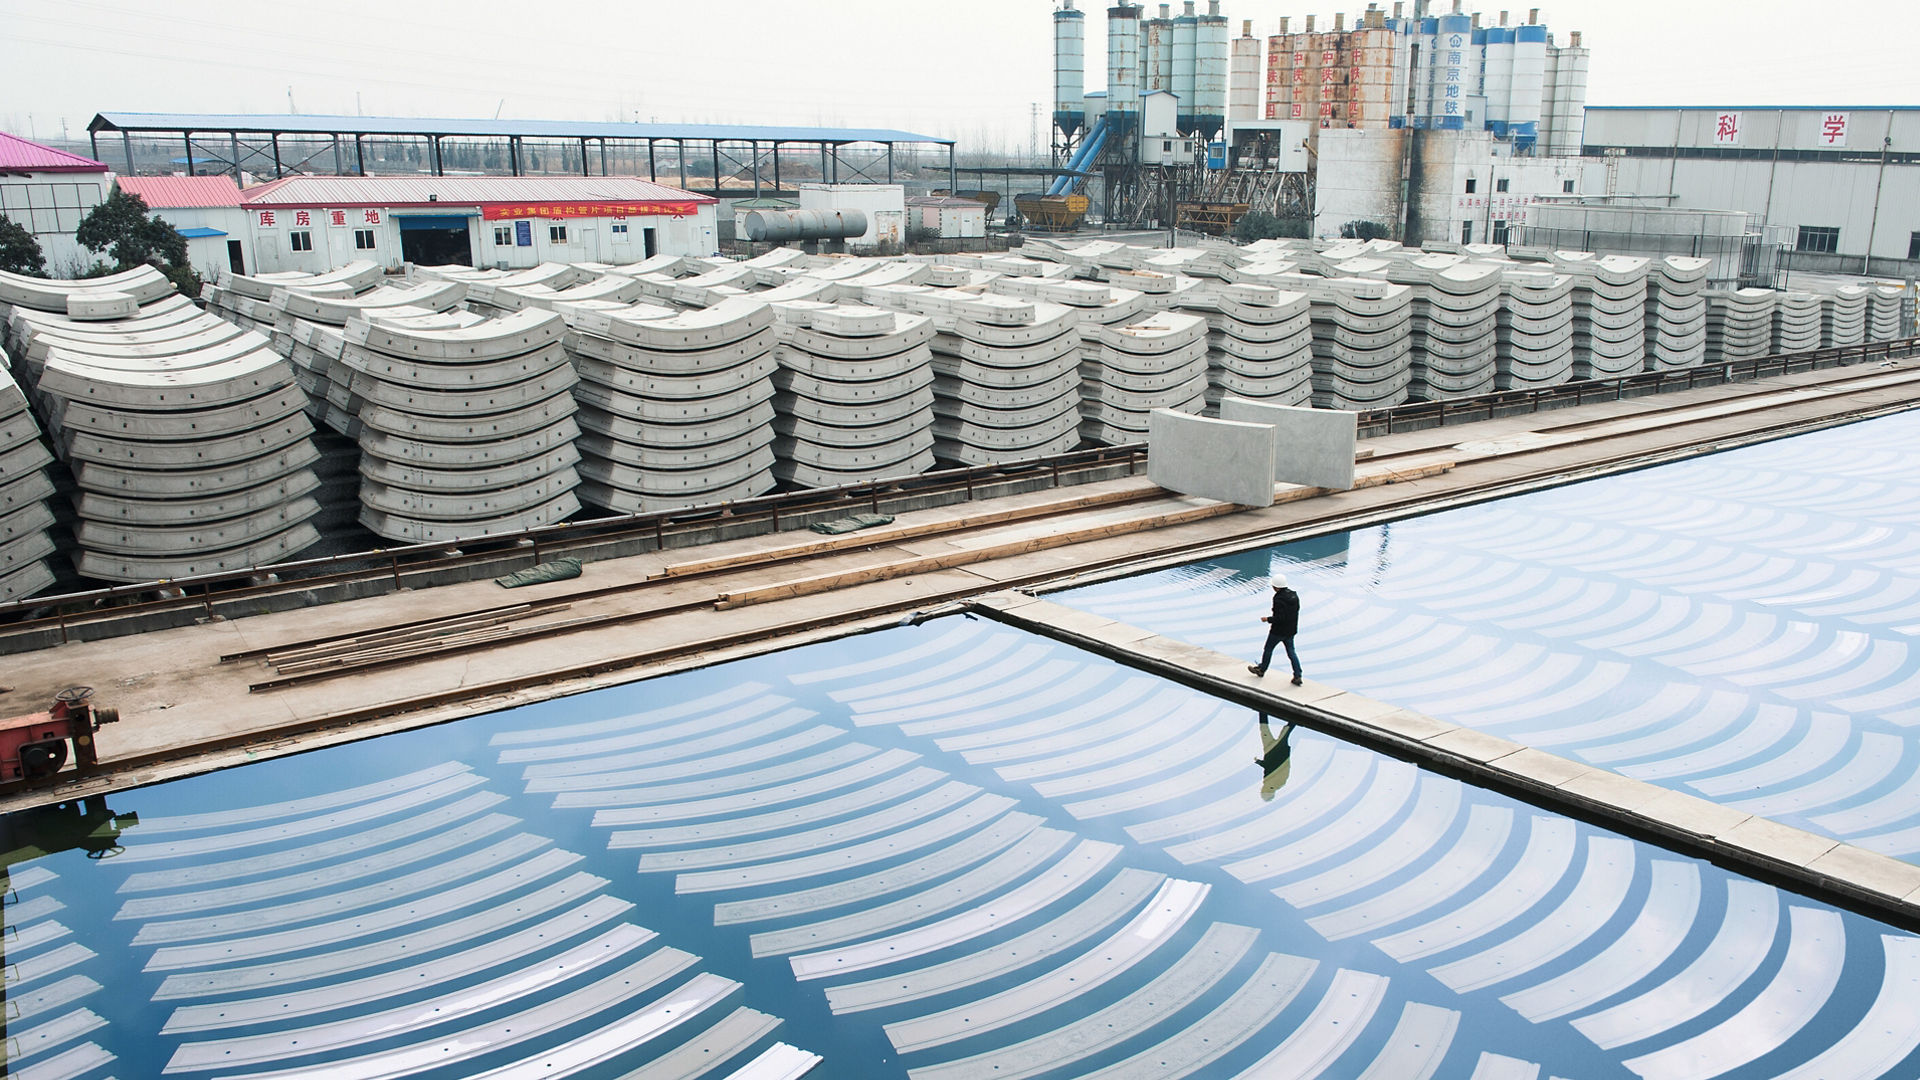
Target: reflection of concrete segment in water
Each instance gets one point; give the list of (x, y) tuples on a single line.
[(519, 961)]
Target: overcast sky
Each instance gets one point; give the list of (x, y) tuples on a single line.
[(969, 70)]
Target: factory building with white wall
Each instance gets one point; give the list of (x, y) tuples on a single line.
[(1839, 185), (319, 223), (46, 192)]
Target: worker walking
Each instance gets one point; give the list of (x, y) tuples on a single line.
[(1281, 626)]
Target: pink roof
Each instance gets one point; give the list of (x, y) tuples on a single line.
[(342, 191), (179, 192), (20, 155)]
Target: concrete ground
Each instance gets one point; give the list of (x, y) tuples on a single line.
[(185, 711)]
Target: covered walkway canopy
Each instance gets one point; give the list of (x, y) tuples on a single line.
[(288, 144)]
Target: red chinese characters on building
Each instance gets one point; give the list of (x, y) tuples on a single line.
[(1726, 128), (303, 218), (337, 217), (267, 220), (372, 217), (1833, 129)]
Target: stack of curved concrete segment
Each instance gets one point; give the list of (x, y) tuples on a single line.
[(1259, 343), (1362, 341), (1843, 316), (676, 408), (1883, 312), (186, 435), (1796, 323), (1159, 362), (483, 287), (1739, 324), (1456, 306), (1676, 321), (1609, 313), (855, 394), (465, 430), (610, 288), (1533, 335), (25, 517), (248, 299), (1006, 375)]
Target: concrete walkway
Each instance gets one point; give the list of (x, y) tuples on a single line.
[(1818, 865)]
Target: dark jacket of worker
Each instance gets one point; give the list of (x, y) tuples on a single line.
[(1286, 613)]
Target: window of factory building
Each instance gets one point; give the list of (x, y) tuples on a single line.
[(363, 239), (1913, 246), (557, 234), (1501, 185), (1473, 184), (1566, 186), (503, 236), (1466, 232), (619, 230), (300, 241), (1817, 238), (1500, 232)]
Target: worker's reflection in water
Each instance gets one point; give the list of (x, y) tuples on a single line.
[(1276, 757)]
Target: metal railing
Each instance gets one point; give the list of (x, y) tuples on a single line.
[(1430, 414), (205, 591)]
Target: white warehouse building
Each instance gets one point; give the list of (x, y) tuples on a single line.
[(1842, 182), (319, 223), (47, 192)]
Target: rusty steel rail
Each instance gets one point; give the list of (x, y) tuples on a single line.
[(1430, 414), (204, 591)]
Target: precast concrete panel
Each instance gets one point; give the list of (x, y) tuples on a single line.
[(1312, 446), (1213, 459)]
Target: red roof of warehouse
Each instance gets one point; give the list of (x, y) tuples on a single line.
[(179, 192), (21, 155), (451, 191)]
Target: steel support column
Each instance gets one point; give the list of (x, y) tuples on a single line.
[(584, 170), (126, 143), (360, 154), (953, 180), (187, 138), (339, 163), (681, 153), (513, 154), (889, 163), (754, 150), (93, 140), (776, 167), (233, 138), (653, 168), (278, 172), (714, 146)]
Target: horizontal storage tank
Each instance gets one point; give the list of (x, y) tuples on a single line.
[(1069, 69), (780, 226)]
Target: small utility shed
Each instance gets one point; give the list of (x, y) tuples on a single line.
[(207, 211), (947, 216)]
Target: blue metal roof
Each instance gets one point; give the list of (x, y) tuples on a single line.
[(199, 231), (267, 123)]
